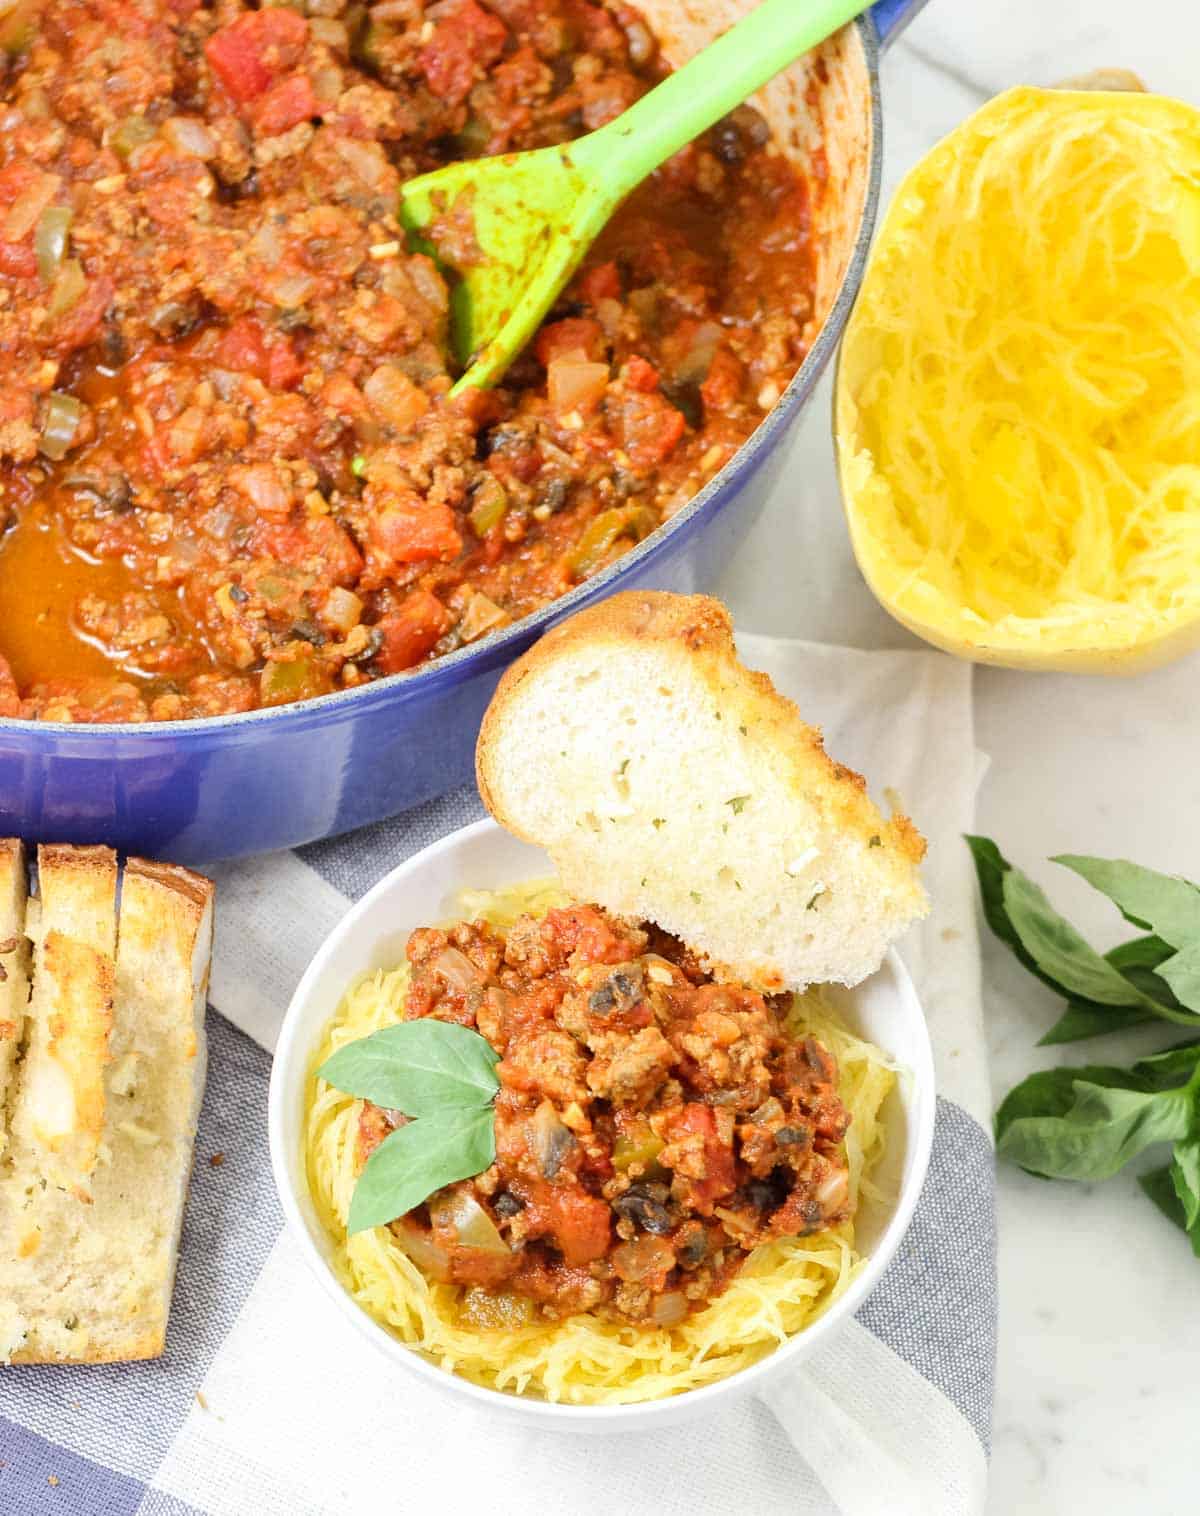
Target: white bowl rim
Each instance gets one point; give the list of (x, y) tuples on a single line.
[(290, 1067)]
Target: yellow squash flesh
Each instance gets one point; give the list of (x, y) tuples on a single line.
[(1018, 398)]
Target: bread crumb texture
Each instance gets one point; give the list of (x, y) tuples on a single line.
[(101, 1073), (669, 782)]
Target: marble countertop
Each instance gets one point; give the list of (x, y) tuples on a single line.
[(1099, 1296)]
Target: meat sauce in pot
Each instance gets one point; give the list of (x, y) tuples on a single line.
[(230, 472)]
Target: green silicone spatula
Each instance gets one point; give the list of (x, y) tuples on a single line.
[(534, 215)]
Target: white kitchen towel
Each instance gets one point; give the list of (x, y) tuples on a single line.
[(267, 1404)]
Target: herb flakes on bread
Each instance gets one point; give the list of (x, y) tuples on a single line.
[(670, 783), (99, 1106)]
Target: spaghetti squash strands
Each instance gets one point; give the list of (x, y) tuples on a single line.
[(583, 1360), (1018, 410)]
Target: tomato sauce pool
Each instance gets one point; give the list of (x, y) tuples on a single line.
[(231, 474)]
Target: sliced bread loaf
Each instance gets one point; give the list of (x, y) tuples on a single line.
[(14, 969), (58, 1104), (670, 783), (87, 1261)]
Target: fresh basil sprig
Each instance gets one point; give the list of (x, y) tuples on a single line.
[(1087, 1123), (1106, 992), (440, 1073), (1160, 903)]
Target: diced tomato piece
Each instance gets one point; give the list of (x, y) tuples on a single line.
[(577, 337), (410, 530), (242, 348), (640, 375), (580, 1224), (656, 441), (465, 42), (285, 105), (17, 260), (15, 179), (723, 383), (648, 426), (410, 633), (600, 33), (341, 395), (250, 54), (81, 324), (581, 929), (719, 1179), (336, 548), (601, 283), (246, 348), (284, 369)]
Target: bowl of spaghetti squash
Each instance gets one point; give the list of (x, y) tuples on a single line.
[(1017, 417), (667, 1219)]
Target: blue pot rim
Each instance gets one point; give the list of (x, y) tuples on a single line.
[(494, 650)]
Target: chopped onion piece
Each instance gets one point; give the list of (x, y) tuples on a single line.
[(68, 287), (342, 610), (23, 213), (331, 33), (670, 1309), (457, 970), (574, 384), (188, 135), (481, 616), (421, 1248), (833, 1192), (635, 1261), (63, 415)]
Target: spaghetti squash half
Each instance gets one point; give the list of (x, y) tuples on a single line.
[(1018, 400), (584, 1358)]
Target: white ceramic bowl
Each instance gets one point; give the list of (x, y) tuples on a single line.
[(373, 935)]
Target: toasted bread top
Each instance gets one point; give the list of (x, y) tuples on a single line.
[(669, 782), (78, 887)]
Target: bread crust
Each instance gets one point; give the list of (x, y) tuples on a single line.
[(702, 628), (136, 986), (595, 822), (78, 889)]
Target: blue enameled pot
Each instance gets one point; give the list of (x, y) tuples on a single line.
[(200, 790)]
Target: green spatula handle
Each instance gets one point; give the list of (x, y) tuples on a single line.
[(725, 74)]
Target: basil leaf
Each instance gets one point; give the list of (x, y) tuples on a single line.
[(1158, 1184), (1162, 903), (1083, 1018), (419, 1067), (1051, 1092), (990, 868), (1170, 906), (1060, 951), (1136, 959), (417, 1159), (1102, 1130), (1185, 1177), (1182, 973), (1173, 1066)]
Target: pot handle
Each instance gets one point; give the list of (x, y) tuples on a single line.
[(891, 17)]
